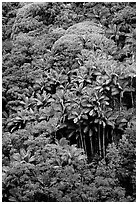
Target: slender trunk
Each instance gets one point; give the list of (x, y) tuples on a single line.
[(81, 137), (84, 143), (103, 141), (132, 100), (91, 142), (120, 103), (106, 141), (112, 136), (78, 145), (99, 139)]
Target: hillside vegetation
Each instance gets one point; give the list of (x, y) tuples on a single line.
[(69, 101)]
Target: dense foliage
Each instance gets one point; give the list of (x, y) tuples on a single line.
[(69, 101)]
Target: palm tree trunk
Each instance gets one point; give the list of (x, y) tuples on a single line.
[(132, 101), (91, 142), (99, 139), (132, 95), (91, 146), (107, 135), (84, 143), (120, 108), (103, 141), (81, 137)]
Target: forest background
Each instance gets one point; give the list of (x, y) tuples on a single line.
[(69, 101)]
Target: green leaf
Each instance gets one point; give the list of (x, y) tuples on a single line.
[(81, 85), (89, 105), (128, 90), (22, 102), (110, 123), (75, 120), (85, 130), (74, 113), (17, 118), (100, 122), (101, 90), (62, 126), (39, 103), (108, 81), (84, 103), (42, 118), (12, 199), (104, 124), (81, 157), (107, 88), (84, 117), (70, 117), (71, 134), (121, 125), (102, 97), (10, 124), (32, 159), (90, 133), (115, 91), (31, 111), (86, 110), (123, 120), (97, 73), (89, 81), (97, 87), (91, 112), (5, 168), (95, 128), (50, 100), (63, 141), (22, 152), (26, 99), (13, 128), (105, 98), (38, 96), (57, 108), (36, 87), (106, 103), (96, 121), (5, 114), (16, 157)]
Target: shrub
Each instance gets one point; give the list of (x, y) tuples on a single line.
[(84, 28)]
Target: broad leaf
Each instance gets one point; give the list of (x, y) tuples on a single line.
[(85, 130), (16, 157), (90, 133), (75, 120), (22, 152), (32, 159)]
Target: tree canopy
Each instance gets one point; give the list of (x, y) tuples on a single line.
[(69, 101)]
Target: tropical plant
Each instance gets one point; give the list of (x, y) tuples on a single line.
[(69, 101)]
